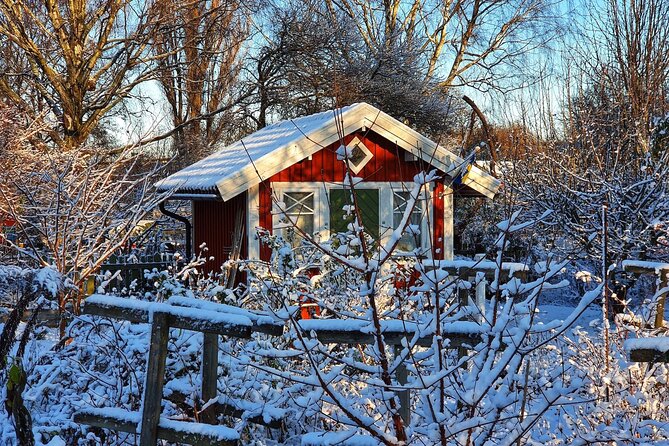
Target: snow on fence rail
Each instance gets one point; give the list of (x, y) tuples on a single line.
[(184, 313), (352, 331), (465, 268), (217, 319), (654, 349), (187, 432)]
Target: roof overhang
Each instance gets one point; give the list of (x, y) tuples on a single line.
[(344, 123)]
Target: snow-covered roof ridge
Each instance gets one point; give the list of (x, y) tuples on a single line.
[(235, 168)]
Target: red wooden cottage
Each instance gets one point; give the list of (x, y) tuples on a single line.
[(292, 169)]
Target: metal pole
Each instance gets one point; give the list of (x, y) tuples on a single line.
[(605, 282)]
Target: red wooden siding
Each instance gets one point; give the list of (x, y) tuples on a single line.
[(214, 224), (388, 164), (265, 213)]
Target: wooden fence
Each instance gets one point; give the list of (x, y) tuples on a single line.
[(215, 320), (130, 269)]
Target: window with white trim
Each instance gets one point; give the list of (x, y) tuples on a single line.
[(297, 209), (358, 155), (411, 239), (321, 210)]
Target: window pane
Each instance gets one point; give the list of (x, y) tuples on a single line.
[(299, 207), (299, 202), (409, 240), (357, 156), (368, 201)]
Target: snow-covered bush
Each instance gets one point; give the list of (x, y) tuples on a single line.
[(34, 290), (518, 379), (617, 402)]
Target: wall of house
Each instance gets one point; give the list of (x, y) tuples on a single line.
[(387, 165), (214, 224)]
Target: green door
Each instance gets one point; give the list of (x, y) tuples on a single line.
[(368, 201)]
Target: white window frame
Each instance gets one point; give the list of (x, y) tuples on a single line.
[(424, 243), (278, 212), (321, 193)]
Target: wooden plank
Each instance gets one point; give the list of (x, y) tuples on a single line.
[(135, 315), (463, 301), (659, 311), (113, 267), (640, 267), (488, 272), (106, 422), (488, 268), (480, 300), (261, 322), (219, 408), (205, 325), (402, 376), (195, 320), (49, 318), (393, 338), (648, 355), (209, 371), (171, 434), (155, 378)]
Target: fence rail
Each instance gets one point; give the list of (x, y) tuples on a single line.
[(214, 320), (131, 268)]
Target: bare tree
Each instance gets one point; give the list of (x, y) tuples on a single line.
[(620, 49), (202, 42), (303, 70), (76, 60), (461, 42), (73, 209)]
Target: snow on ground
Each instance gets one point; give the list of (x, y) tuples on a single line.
[(549, 312)]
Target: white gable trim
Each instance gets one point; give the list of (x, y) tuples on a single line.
[(353, 119), (282, 158), (429, 151)]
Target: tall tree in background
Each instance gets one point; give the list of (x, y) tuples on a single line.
[(77, 60), (202, 41), (315, 59), (621, 49), (405, 57), (460, 42), (610, 148)]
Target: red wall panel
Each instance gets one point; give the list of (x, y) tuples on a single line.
[(214, 221), (214, 224), (387, 164)]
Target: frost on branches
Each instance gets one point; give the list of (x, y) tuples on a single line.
[(525, 379)]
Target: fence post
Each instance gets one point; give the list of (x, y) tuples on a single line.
[(209, 371), (480, 296), (155, 377), (463, 298), (402, 375), (663, 282)]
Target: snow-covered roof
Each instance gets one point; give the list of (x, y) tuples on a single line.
[(256, 157)]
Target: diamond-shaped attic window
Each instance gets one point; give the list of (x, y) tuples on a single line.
[(359, 155)]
